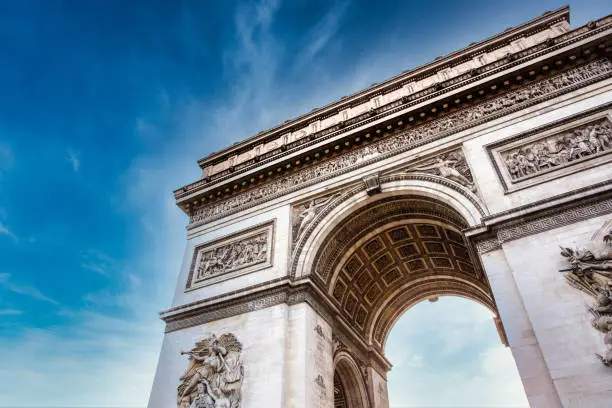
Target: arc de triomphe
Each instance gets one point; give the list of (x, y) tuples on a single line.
[(462, 177)]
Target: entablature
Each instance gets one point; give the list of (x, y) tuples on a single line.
[(477, 58), (578, 45), (515, 87)]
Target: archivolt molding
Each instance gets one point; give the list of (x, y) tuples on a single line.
[(353, 376), (406, 296), (406, 139), (465, 206), (358, 248)]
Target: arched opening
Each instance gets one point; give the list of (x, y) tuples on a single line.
[(447, 352), (339, 392), (349, 386), (376, 257)]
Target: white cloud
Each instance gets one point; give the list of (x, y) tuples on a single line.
[(6, 158), (97, 262), (25, 290), (8, 312), (97, 361), (453, 341), (74, 158), (4, 230), (321, 34)]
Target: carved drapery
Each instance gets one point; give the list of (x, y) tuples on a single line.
[(590, 271), (214, 375), (407, 139), (303, 214)]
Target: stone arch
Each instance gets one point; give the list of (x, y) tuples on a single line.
[(407, 296), (463, 201), (376, 256), (348, 377)]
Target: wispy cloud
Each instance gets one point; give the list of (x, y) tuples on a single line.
[(4, 230), (322, 33), (25, 290), (6, 158), (97, 262), (453, 339), (74, 158), (10, 312), (121, 352)]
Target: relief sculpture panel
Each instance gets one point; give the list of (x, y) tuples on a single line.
[(575, 144), (590, 271), (305, 213), (451, 165), (213, 378), (226, 258)]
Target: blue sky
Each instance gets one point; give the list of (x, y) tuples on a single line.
[(105, 106)]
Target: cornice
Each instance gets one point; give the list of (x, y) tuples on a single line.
[(402, 140), (419, 97), (219, 187), (543, 22), (540, 216), (262, 296)]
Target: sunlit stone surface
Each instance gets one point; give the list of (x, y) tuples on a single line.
[(306, 243)]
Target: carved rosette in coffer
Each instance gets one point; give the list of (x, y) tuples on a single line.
[(225, 258), (574, 144)]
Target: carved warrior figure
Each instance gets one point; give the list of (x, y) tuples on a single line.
[(451, 166), (558, 150), (233, 256), (214, 376), (308, 213), (591, 272)]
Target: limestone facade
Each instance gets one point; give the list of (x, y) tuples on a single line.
[(463, 177)]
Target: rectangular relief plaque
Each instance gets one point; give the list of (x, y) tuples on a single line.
[(234, 255), (574, 144)]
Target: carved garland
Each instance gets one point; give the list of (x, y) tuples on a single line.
[(409, 139)]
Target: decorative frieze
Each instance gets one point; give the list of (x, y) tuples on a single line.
[(462, 69), (407, 139), (555, 220), (487, 245), (575, 144), (214, 375), (228, 257), (590, 271)]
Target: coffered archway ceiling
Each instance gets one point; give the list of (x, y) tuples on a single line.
[(392, 254)]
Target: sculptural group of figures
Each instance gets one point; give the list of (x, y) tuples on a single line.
[(564, 148), (452, 166), (214, 376), (591, 272), (233, 256)]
